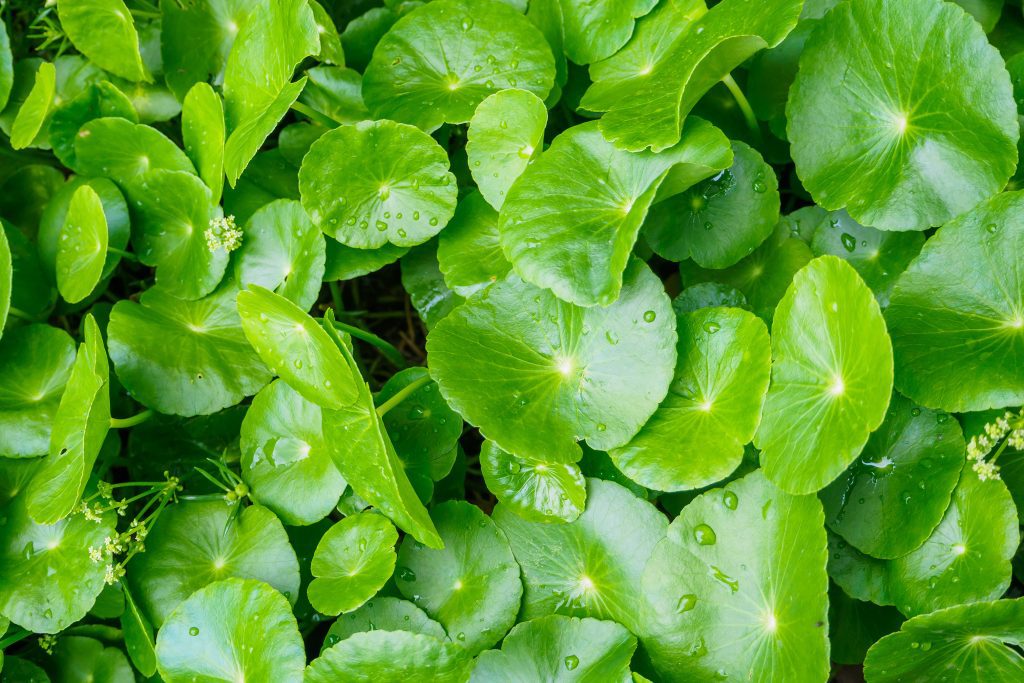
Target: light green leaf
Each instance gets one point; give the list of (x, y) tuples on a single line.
[(6, 66), (6, 277), (570, 221), (98, 100), (285, 460), (471, 586), (557, 648), (104, 31), (283, 251), (138, 635), (377, 656), (248, 135), (595, 31), (708, 295), (536, 490), (505, 134), (831, 377), (353, 561), (196, 38), (696, 436), (231, 630), (739, 587), (469, 249), (184, 357), (297, 348), (202, 132), (383, 614), (720, 220), (125, 152), (35, 364), (79, 658), (957, 313), (331, 50), (686, 53), (437, 63), (36, 107), (198, 543), (537, 374), (336, 92), (378, 182), (933, 140), (971, 640), (82, 248), (907, 471), (600, 560)]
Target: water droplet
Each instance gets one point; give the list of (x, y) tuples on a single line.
[(991, 227), (193, 631), (601, 426), (571, 662), (406, 574), (711, 327), (433, 221), (610, 336), (467, 23), (514, 467), (401, 232), (298, 364), (686, 603), (649, 316), (721, 576), (730, 500), (759, 187), (708, 226), (915, 411), (849, 241), (704, 534)]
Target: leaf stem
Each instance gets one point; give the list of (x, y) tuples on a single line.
[(12, 639), (125, 422), (123, 254), (403, 394), (744, 105), (386, 349), (18, 313), (313, 114)]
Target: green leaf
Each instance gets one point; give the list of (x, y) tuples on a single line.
[(297, 348), (390, 656), (471, 586), (195, 544), (35, 109), (82, 249), (47, 579), (335, 92), (35, 364), (957, 314), (696, 436), (383, 614), (499, 151), (98, 100), (126, 152), (32, 290), (258, 89), (719, 220), (6, 279), (79, 427), (855, 625), (79, 658), (196, 38), (203, 134), (377, 182), (285, 460), (971, 640), (708, 295), (138, 635), (933, 140), (595, 31), (353, 561), (965, 559), (536, 490), (537, 374), (907, 471), (559, 648), (235, 629), (422, 279), (345, 263), (570, 221), (686, 52), (831, 377), (437, 63), (6, 66), (739, 587), (282, 250), (363, 453), (167, 356), (331, 50), (104, 31), (600, 560)]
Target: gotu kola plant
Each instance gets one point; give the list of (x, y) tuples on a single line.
[(511, 340)]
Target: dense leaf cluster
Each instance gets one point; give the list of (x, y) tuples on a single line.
[(511, 340)]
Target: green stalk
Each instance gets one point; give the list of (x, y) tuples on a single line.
[(744, 105), (125, 422), (313, 114), (386, 349), (403, 394)]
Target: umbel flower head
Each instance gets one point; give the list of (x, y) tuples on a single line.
[(1005, 430), (223, 233)]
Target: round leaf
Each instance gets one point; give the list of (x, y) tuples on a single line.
[(697, 435), (537, 374), (505, 134), (377, 656), (345, 263), (437, 63), (82, 249), (235, 629), (907, 471), (831, 377), (103, 31), (739, 587), (383, 614), (957, 314), (124, 152), (471, 586), (167, 356), (98, 100), (933, 138), (377, 182), (197, 543), (285, 461), (202, 132), (353, 561), (35, 109), (536, 490), (80, 658), (469, 250)]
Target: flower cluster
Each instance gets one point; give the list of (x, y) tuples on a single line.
[(1005, 430), (117, 550), (223, 233), (47, 643)]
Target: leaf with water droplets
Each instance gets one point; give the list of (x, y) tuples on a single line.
[(203, 134), (831, 377), (82, 246), (383, 614), (375, 656), (434, 66), (697, 435), (536, 490), (469, 250), (241, 621), (35, 109), (353, 560), (750, 572)]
